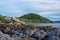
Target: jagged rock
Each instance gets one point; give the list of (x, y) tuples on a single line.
[(12, 20), (11, 23), (1, 33), (5, 36), (39, 34), (7, 20)]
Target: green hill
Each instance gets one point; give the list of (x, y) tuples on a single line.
[(31, 17)]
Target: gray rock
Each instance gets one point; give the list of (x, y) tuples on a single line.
[(13, 20), (5, 36)]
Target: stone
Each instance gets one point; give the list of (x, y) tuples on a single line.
[(5, 36), (13, 20)]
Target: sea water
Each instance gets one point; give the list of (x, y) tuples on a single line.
[(46, 24)]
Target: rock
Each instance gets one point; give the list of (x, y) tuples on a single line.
[(5, 36), (14, 30), (7, 20), (39, 34), (1, 33), (13, 20)]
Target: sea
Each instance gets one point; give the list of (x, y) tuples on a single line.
[(57, 25)]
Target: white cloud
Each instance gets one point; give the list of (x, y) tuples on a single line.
[(55, 16), (35, 4)]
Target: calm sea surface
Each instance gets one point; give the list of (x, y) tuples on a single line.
[(46, 24)]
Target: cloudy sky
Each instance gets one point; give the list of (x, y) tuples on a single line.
[(47, 8)]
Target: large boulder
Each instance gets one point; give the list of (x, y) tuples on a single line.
[(5, 36), (13, 20), (7, 20), (39, 34)]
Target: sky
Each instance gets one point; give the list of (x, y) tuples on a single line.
[(46, 8)]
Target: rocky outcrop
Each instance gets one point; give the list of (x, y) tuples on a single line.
[(5, 36), (14, 29), (35, 34), (12, 20), (15, 36)]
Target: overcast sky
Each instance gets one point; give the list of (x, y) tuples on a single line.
[(47, 8)]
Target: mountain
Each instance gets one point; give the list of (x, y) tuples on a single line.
[(32, 17)]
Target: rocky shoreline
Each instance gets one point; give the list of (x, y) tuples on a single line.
[(11, 29), (27, 32)]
